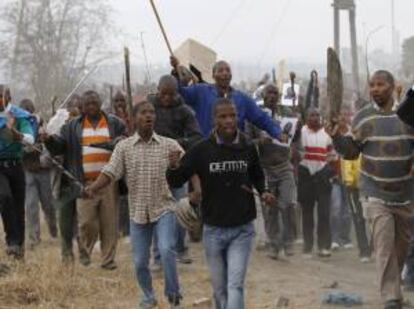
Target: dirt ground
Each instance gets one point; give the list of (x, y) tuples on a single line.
[(42, 282)]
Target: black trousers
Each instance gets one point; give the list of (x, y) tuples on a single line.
[(12, 182), (315, 190), (352, 195)]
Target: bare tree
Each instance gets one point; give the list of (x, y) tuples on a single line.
[(50, 43)]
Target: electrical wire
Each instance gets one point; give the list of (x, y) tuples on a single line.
[(275, 27), (229, 20)]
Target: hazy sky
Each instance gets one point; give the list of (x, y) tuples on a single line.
[(256, 31)]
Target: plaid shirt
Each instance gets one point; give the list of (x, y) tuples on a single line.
[(144, 165)]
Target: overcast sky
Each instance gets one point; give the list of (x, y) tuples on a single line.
[(256, 31)]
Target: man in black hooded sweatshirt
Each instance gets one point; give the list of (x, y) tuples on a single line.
[(228, 167)]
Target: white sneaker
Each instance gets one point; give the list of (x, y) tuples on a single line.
[(349, 246), (335, 246), (324, 253), (365, 260)]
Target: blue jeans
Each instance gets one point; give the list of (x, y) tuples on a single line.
[(340, 215), (180, 232), (227, 253), (141, 239)]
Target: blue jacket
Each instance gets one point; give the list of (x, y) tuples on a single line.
[(202, 97)]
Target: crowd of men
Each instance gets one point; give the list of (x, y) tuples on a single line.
[(213, 148)]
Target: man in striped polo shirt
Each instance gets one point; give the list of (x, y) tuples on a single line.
[(78, 141), (314, 185), (386, 183)]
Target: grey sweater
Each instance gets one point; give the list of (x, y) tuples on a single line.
[(386, 147)]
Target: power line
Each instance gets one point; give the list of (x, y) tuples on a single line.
[(229, 20), (274, 29)]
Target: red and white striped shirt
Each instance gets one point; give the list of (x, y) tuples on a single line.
[(317, 147)]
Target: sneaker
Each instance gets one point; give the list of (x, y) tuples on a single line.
[(16, 252), (393, 304), (84, 260), (174, 302), (273, 253), (335, 246), (324, 253), (110, 266), (365, 259), (148, 305), (289, 251), (349, 246), (184, 258)]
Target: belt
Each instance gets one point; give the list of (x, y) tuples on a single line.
[(7, 163)]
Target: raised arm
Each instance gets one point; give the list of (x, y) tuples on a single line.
[(261, 119)]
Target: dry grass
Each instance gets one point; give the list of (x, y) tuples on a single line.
[(43, 282)]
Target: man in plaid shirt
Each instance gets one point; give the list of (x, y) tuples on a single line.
[(143, 160)]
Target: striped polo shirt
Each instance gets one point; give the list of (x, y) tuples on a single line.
[(386, 155), (94, 159), (317, 146)]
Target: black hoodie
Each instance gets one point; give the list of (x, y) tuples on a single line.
[(176, 121), (223, 170)]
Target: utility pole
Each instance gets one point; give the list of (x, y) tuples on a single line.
[(347, 5)]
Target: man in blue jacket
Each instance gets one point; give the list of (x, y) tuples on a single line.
[(202, 97)]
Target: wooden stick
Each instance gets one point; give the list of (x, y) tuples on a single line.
[(164, 34), (128, 82)]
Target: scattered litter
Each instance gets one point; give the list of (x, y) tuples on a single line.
[(203, 303), (333, 285), (342, 298), (282, 302)]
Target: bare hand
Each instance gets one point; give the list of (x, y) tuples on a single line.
[(174, 62), (412, 171), (263, 140), (284, 138), (174, 158), (43, 136), (88, 192), (332, 127), (11, 121), (268, 198), (195, 197)]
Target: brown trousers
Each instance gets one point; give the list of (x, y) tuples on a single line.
[(99, 217), (391, 232)]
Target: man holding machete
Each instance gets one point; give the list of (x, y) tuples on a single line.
[(386, 182)]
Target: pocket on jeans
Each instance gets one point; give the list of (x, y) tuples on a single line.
[(249, 229)]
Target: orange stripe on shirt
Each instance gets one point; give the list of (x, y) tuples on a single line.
[(96, 157), (87, 140), (91, 135), (91, 175)]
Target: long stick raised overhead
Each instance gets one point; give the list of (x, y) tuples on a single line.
[(164, 34)]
